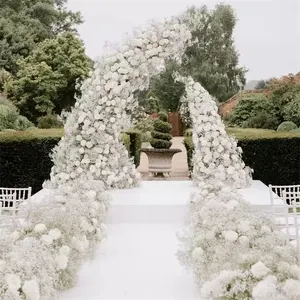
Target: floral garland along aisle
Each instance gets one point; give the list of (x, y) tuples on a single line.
[(44, 254), (234, 253)]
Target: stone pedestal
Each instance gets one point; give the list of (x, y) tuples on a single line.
[(160, 160)]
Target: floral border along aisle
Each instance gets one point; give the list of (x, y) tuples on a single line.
[(234, 253)]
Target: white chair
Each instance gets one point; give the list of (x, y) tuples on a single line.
[(287, 215), (11, 200)]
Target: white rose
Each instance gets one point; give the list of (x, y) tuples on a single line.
[(259, 270), (55, 233), (230, 235), (61, 261), (64, 250), (197, 253), (31, 290), (47, 239), (13, 282), (40, 228)]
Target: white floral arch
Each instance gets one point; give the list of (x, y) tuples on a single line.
[(91, 147)]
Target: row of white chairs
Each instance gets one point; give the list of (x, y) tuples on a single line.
[(285, 204), (11, 200)]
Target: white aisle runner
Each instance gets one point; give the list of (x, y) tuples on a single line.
[(137, 261)]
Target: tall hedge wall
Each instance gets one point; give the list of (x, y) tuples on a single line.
[(274, 160), (25, 160)]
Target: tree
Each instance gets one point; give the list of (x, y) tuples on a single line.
[(212, 59), (166, 90), (262, 84), (46, 80), (24, 24)]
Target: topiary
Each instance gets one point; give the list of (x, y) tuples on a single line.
[(287, 126), (161, 134)]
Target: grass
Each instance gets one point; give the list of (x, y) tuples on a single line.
[(31, 134), (253, 133), (239, 133)]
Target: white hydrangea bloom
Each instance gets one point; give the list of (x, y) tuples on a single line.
[(40, 228), (31, 290)]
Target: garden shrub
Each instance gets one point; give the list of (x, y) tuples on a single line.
[(145, 126), (275, 160), (251, 106), (8, 116), (287, 126), (262, 120), (135, 145), (49, 121), (25, 156), (22, 123), (161, 134), (188, 132)]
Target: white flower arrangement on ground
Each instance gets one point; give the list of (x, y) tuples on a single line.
[(91, 146), (45, 253), (234, 253), (217, 158)]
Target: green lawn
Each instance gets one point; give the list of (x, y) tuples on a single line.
[(239, 133), (252, 133)]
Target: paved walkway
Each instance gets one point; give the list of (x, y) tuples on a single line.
[(179, 163)]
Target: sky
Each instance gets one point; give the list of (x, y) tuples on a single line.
[(267, 33)]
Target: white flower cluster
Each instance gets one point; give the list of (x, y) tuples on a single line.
[(91, 146), (234, 253), (44, 254), (217, 158)]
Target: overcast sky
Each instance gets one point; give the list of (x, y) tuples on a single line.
[(267, 34)]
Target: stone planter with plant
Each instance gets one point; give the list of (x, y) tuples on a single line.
[(160, 156)]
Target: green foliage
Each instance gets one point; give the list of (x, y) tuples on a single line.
[(22, 123), (26, 23), (46, 80), (287, 126), (8, 117), (152, 105), (274, 157), (188, 132), (262, 84), (135, 145), (144, 126), (167, 91), (4, 78), (261, 120), (25, 156), (212, 59), (125, 138), (291, 111), (249, 111), (161, 126), (49, 121), (161, 137), (163, 116)]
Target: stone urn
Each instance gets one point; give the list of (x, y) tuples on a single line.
[(160, 160)]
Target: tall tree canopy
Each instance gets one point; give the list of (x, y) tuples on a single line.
[(24, 24), (212, 59), (46, 80)]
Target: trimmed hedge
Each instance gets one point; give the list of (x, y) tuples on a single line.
[(25, 160), (135, 145), (275, 160)]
